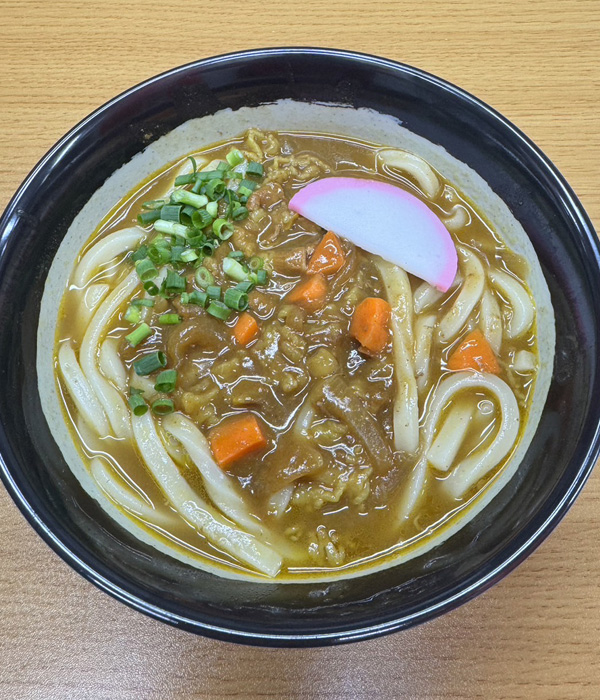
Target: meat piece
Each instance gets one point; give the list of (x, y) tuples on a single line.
[(202, 331), (290, 260), (265, 197)]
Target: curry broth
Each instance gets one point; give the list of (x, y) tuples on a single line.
[(342, 498)]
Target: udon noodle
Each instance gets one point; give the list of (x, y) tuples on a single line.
[(255, 396)]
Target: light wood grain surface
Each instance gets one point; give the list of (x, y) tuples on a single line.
[(537, 633)]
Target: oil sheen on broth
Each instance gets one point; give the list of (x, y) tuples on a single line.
[(299, 415)]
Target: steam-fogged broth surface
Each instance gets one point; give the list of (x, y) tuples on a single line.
[(295, 432)]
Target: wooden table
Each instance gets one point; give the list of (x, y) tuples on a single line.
[(537, 633)]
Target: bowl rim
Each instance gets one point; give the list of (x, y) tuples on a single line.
[(503, 563)]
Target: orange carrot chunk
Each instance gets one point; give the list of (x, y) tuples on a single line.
[(370, 325), (235, 438), (474, 353), (246, 329), (328, 257), (309, 294)]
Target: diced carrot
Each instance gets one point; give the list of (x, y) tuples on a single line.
[(370, 325), (235, 438), (328, 256), (246, 329), (474, 353), (309, 294)]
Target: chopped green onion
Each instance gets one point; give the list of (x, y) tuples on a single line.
[(185, 197), (222, 229), (255, 169), (139, 334), (169, 319), (171, 212), (249, 184), (194, 164), (233, 269), (239, 213), (213, 209), (236, 299), (262, 277), (189, 255), (185, 179), (213, 292), (154, 204), (148, 217), (176, 252), (171, 227), (245, 286), (159, 254), (204, 278), (138, 405), (150, 363), (244, 193), (222, 166), (209, 247), (143, 302), (162, 407), (146, 270), (133, 314), (236, 255), (196, 241), (201, 218), (151, 288), (166, 381), (140, 253), (219, 310), (175, 283), (234, 157), (215, 189), (209, 175), (198, 298), (256, 263)]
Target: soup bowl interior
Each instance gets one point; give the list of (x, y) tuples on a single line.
[(552, 472)]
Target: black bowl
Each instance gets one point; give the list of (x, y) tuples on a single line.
[(557, 463)]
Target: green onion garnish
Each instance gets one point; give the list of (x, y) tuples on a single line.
[(140, 253), (175, 255), (185, 197), (255, 169), (249, 184), (166, 381), (154, 204), (213, 292), (139, 334), (175, 283), (143, 302), (236, 299), (204, 278), (151, 288), (171, 212), (233, 269), (239, 213), (159, 254), (222, 229), (172, 227), (133, 314), (185, 179), (222, 166), (213, 209), (150, 363), (147, 217), (169, 319), (189, 255), (162, 407), (245, 286), (138, 405), (236, 255), (262, 277), (209, 247), (209, 175), (244, 193), (198, 298), (234, 157), (215, 189), (201, 218), (146, 270), (256, 263), (219, 310)]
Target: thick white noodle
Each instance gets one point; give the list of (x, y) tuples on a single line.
[(242, 545), (406, 403), (109, 397), (110, 362), (104, 251), (416, 167), (476, 465), (144, 384), (519, 300), (81, 392), (525, 361), (91, 298), (468, 297), (124, 497), (424, 326), (444, 448), (426, 295), (280, 500), (490, 320), (458, 218)]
